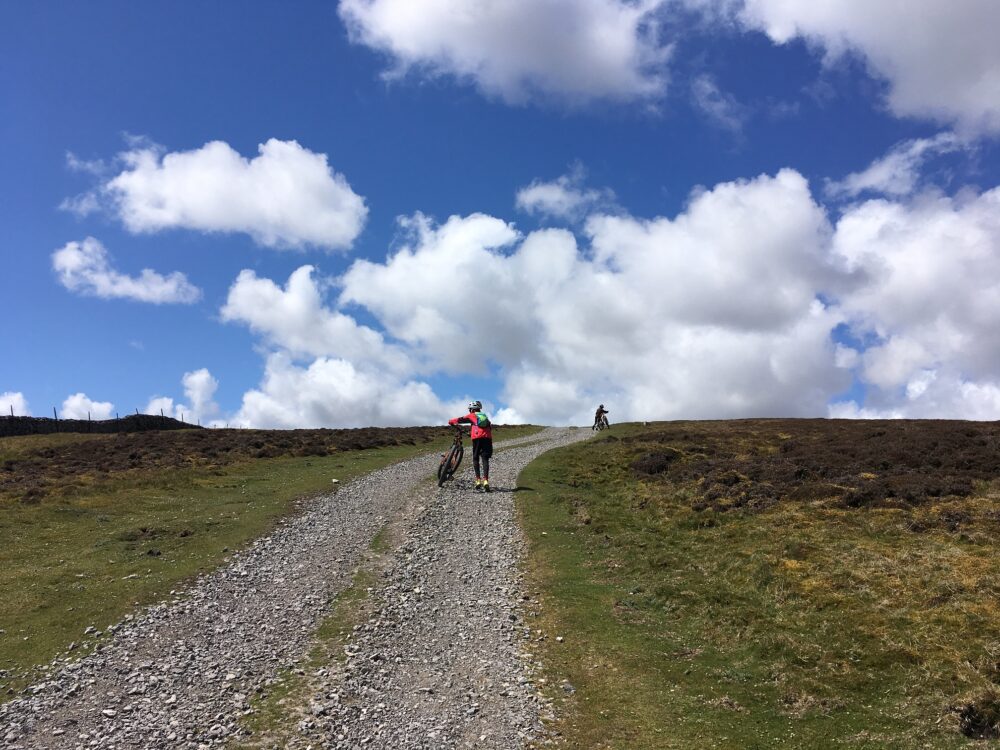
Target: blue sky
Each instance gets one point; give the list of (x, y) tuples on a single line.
[(681, 209)]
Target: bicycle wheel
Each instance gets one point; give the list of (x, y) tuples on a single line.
[(448, 466)]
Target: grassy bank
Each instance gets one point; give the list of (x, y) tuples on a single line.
[(82, 544), (714, 585)]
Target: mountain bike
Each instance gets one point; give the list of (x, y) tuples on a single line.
[(602, 424), (451, 460)]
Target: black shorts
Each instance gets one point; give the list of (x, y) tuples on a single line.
[(482, 447)]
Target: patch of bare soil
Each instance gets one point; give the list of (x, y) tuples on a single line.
[(980, 718)]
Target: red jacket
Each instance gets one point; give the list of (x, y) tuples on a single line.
[(481, 427)]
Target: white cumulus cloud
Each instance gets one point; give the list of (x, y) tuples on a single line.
[(717, 105), (714, 312), (898, 172), (851, 410), (507, 415), (334, 392), (731, 308), (448, 292), (285, 197), (91, 166), (931, 394), (85, 267), (931, 299), (296, 319), (573, 50), (82, 205), (199, 389), (165, 406), (324, 369), (565, 197), (941, 59), (79, 406), (14, 401)]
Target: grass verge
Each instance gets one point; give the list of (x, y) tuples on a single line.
[(802, 624)]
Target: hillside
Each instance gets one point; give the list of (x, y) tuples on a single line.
[(33, 467), (770, 583)]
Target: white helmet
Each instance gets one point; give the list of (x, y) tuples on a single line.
[(475, 406)]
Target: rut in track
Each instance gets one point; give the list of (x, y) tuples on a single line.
[(437, 665)]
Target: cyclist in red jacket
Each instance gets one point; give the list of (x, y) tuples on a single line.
[(482, 441)]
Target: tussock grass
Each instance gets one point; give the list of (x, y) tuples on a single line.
[(695, 614)]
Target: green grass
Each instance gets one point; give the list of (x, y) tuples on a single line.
[(794, 627), (90, 558)]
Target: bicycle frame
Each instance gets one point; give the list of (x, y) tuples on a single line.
[(450, 460)]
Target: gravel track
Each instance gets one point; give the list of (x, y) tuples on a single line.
[(438, 665)]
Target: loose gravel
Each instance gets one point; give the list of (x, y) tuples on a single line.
[(441, 663)]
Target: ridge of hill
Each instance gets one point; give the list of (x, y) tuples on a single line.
[(770, 583)]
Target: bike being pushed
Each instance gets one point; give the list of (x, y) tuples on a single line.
[(451, 459), (601, 419)]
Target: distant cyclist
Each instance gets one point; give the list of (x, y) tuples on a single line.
[(482, 441), (601, 418)]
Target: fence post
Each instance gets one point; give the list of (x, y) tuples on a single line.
[(12, 410)]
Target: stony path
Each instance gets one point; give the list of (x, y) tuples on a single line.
[(437, 666)]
